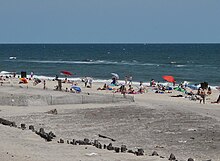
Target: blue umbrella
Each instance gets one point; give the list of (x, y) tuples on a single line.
[(77, 89)]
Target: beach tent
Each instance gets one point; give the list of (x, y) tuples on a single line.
[(168, 78), (66, 73), (179, 89)]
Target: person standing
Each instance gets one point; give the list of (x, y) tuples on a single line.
[(130, 80), (44, 85), (202, 94), (126, 80)]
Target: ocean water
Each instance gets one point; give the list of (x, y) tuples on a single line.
[(194, 63)]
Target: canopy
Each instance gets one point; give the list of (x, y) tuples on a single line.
[(115, 75), (169, 78), (66, 73)]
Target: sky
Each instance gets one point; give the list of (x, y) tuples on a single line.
[(109, 21)]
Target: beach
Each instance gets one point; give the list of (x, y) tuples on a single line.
[(149, 121)]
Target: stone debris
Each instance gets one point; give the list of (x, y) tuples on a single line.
[(172, 157), (60, 141), (139, 152), (7, 123), (47, 136), (123, 148), (23, 126), (155, 154), (31, 127), (53, 111), (102, 136)]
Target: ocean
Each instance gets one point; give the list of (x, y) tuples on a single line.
[(194, 63)]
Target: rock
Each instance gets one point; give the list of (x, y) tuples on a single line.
[(123, 148), (87, 142), (53, 111), (31, 127), (67, 142), (52, 134), (110, 147), (61, 141), (8, 123), (74, 142), (13, 124), (41, 131), (190, 159), (131, 151), (172, 157), (23, 126), (155, 153), (139, 152), (104, 146), (80, 142), (99, 146), (117, 149)]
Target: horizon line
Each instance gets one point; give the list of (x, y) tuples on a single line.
[(104, 43)]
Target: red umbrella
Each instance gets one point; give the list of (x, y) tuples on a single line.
[(169, 78), (67, 73)]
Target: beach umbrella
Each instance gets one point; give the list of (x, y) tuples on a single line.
[(66, 73), (76, 88), (193, 87), (115, 75), (168, 78)]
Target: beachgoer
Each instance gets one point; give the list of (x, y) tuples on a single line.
[(113, 81), (123, 90), (56, 77), (218, 100), (85, 81), (209, 91), (174, 83), (32, 74), (126, 80), (103, 88), (152, 83), (44, 85), (202, 94), (130, 80), (141, 88), (90, 83)]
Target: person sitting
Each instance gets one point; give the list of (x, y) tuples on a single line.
[(141, 88), (103, 88), (209, 91), (113, 81), (218, 100), (131, 90), (152, 83)]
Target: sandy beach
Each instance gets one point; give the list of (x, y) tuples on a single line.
[(148, 121)]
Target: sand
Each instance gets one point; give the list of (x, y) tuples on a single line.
[(154, 122)]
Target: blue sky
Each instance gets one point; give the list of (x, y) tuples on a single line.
[(109, 21)]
